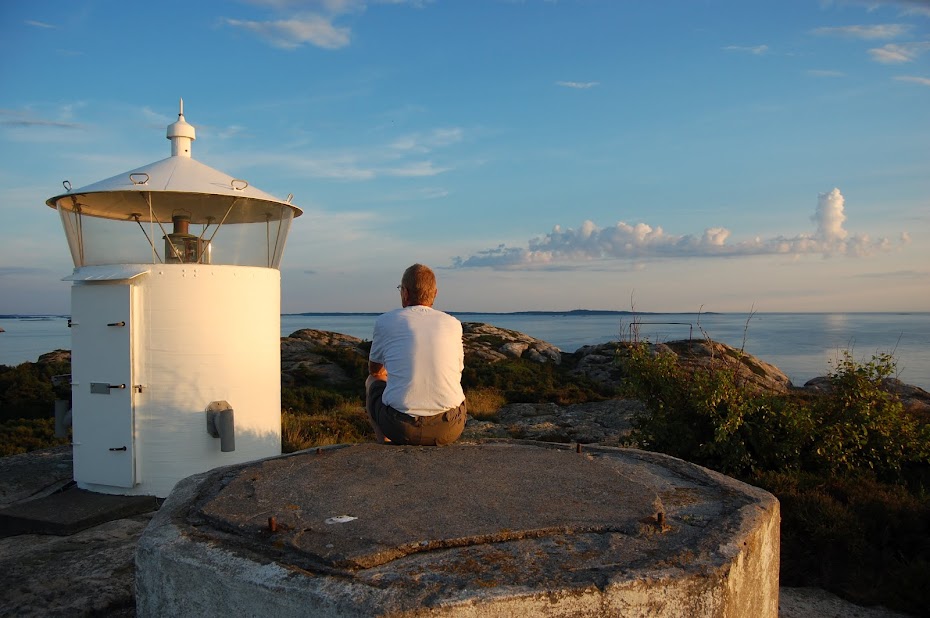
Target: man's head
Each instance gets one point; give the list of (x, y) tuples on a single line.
[(418, 286)]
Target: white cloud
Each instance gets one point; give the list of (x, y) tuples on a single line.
[(425, 142), (829, 216), (40, 24), (563, 247), (399, 160), (756, 50), (302, 22), (578, 85), (916, 7), (876, 31), (295, 32), (895, 54), (924, 81)]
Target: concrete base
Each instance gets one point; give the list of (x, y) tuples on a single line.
[(492, 529), (70, 511)]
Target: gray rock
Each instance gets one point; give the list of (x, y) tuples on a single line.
[(606, 423), (492, 344), (605, 362), (88, 573)]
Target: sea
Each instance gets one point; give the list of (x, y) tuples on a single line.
[(803, 345)]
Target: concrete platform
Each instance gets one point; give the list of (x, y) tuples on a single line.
[(491, 529), (71, 510)]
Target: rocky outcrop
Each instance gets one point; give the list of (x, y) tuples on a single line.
[(606, 423), (491, 344), (302, 353), (605, 362)]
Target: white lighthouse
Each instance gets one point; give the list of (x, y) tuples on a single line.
[(175, 321)]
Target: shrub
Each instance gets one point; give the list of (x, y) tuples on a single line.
[(848, 466), (26, 390), (866, 540), (710, 417), (24, 435), (861, 425)]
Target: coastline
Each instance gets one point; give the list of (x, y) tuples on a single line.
[(803, 345)]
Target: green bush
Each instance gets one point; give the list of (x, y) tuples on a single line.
[(861, 425), (848, 466), (26, 390), (23, 435), (708, 416), (866, 540)]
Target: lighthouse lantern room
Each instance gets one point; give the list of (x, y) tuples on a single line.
[(175, 321)]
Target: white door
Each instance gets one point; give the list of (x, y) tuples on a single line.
[(102, 387)]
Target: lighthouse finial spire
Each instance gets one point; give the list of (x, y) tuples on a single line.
[(181, 134)]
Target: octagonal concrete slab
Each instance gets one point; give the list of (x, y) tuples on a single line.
[(488, 529)]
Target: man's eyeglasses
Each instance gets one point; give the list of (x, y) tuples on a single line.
[(400, 286)]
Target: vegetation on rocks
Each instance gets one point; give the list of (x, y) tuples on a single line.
[(850, 466)]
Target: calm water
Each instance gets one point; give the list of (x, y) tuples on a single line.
[(803, 345)]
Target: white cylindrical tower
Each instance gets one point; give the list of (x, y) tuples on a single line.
[(175, 317)]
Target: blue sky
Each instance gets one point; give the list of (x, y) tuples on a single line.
[(662, 156)]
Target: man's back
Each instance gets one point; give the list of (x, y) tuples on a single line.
[(421, 349)]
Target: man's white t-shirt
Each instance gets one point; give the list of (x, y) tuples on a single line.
[(421, 349)]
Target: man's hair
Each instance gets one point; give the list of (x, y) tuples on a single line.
[(420, 283)]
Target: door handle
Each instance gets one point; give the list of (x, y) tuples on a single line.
[(103, 388)]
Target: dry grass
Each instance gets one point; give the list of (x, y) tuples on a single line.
[(484, 403), (343, 424)]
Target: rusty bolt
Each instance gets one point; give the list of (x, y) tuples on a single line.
[(272, 524), (578, 447), (660, 518)]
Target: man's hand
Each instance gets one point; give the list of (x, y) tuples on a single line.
[(377, 371)]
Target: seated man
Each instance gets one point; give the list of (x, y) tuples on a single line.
[(414, 393)]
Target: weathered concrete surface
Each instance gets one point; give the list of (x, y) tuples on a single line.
[(487, 529), (89, 573), (70, 510)]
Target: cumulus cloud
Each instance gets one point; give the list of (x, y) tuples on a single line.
[(756, 50), (876, 31), (643, 241), (578, 85)]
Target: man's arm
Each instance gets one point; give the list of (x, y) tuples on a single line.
[(377, 371)]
